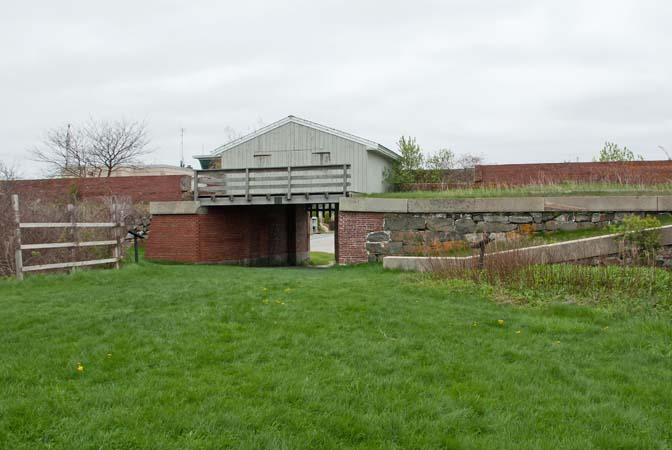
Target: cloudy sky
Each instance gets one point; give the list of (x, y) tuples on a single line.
[(515, 81)]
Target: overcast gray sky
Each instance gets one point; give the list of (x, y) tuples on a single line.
[(514, 81)]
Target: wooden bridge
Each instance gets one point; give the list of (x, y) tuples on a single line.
[(272, 185)]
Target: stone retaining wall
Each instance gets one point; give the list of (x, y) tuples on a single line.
[(599, 250), (399, 227)]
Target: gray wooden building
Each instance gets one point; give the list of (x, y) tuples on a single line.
[(295, 142)]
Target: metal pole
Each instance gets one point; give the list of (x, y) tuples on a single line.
[(135, 246), (195, 185), (18, 256), (345, 180)]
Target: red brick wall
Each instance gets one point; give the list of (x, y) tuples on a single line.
[(182, 244), (247, 234), (353, 227), (140, 189), (645, 172)]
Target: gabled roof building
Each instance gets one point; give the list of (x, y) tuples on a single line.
[(296, 142)]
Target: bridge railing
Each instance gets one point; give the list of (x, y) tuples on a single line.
[(272, 181)]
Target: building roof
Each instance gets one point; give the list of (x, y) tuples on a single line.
[(370, 145)]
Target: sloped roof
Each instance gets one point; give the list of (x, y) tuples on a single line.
[(370, 145)]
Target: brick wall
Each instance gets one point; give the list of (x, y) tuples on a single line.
[(182, 245), (139, 189), (353, 228), (644, 172), (258, 235)]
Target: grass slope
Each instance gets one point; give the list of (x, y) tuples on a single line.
[(561, 189), (320, 259), (348, 357)]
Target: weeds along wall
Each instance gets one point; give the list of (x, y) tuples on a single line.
[(370, 229)]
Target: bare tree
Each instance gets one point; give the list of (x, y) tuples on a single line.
[(65, 152), (94, 150), (7, 173), (469, 160), (116, 144)]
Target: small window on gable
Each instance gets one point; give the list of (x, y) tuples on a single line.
[(262, 160), (321, 158)]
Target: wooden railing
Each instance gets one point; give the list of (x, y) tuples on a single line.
[(272, 181)]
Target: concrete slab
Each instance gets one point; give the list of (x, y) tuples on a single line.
[(467, 205), (322, 242), (365, 204), (440, 205), (182, 207), (665, 203), (598, 203), (509, 204)]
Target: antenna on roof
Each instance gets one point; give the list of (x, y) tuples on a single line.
[(182, 147)]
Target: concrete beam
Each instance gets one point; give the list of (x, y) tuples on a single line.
[(441, 205), (665, 203), (182, 207), (509, 204), (602, 203), (364, 204), (298, 199)]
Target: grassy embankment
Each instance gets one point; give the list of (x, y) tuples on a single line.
[(348, 357), (563, 189)]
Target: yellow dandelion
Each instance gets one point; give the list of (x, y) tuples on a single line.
[(500, 321), (80, 367), (518, 332)]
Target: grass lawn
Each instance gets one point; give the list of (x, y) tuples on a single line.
[(320, 258), (562, 189), (295, 358)]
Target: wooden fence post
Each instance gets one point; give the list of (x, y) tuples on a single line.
[(74, 253), (18, 256), (116, 250)]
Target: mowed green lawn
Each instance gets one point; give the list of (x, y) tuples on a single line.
[(348, 357)]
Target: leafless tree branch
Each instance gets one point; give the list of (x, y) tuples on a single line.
[(94, 150)]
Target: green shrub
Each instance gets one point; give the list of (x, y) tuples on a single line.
[(642, 235)]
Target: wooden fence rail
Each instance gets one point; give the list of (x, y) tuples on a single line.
[(19, 247)]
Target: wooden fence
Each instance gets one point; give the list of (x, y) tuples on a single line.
[(272, 181), (20, 247)]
